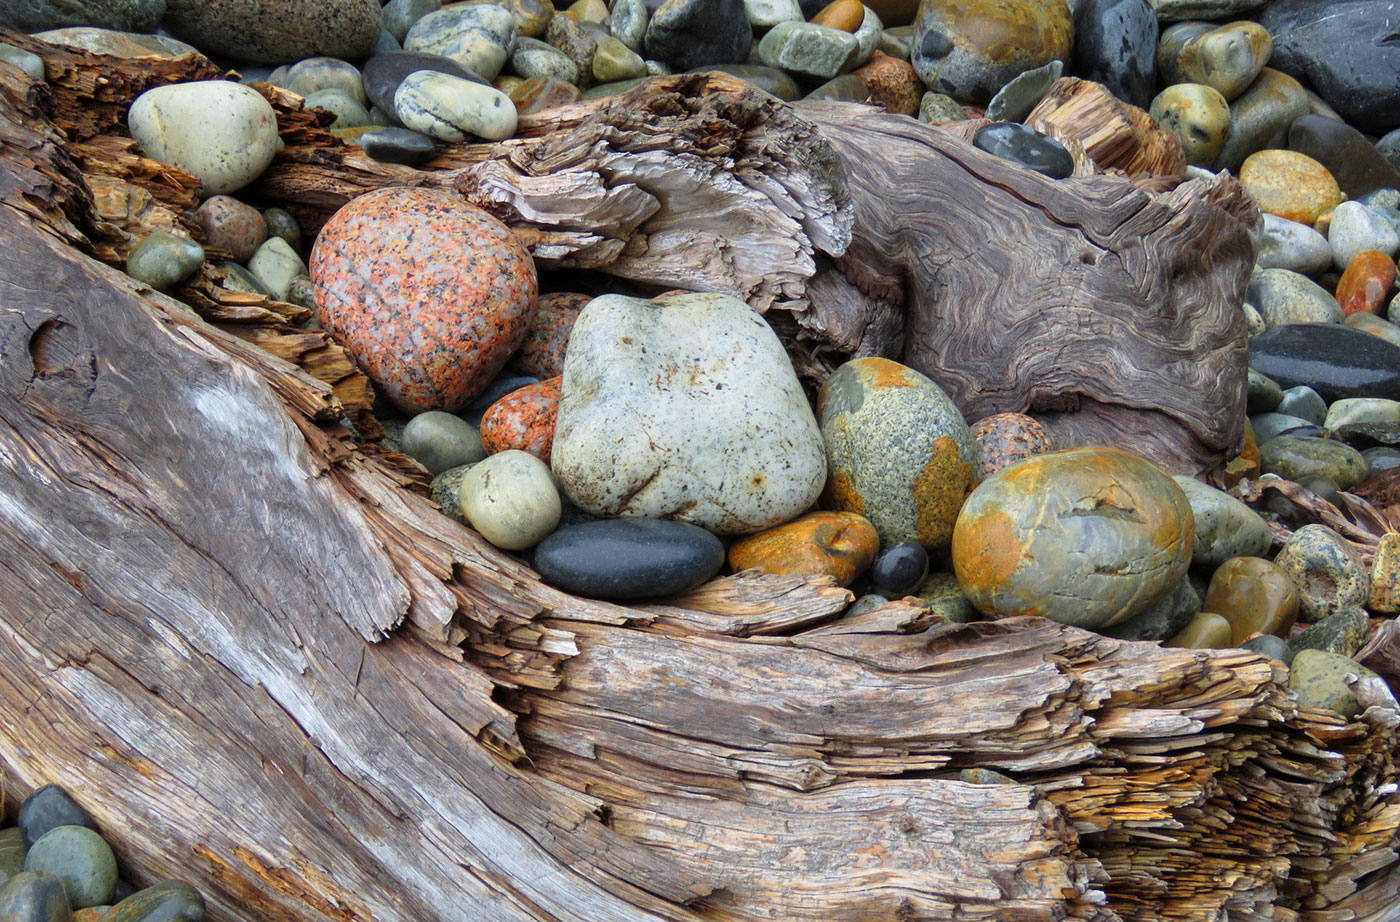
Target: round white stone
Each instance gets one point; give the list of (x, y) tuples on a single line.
[(224, 133), (276, 264), (450, 109)]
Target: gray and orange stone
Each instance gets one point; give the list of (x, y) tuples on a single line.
[(542, 352), (523, 419), (1005, 438), (1088, 536), (898, 451), (429, 294)]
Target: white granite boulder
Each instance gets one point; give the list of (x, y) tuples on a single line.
[(685, 407)]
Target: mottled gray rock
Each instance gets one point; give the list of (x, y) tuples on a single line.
[(685, 407), (692, 33), (124, 44), (1264, 393), (1302, 458), (764, 14), (534, 58), (164, 260), (1343, 633), (1225, 527), (400, 15), (80, 859), (452, 109), (628, 23), (1303, 402), (276, 31), (1319, 680), (805, 48), (480, 38), (1285, 297), (1355, 228), (119, 15), (1115, 43), (1289, 245), (31, 64), (1328, 573), (938, 107), (277, 264), (1352, 410), (1174, 10)]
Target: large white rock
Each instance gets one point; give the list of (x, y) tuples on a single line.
[(225, 133), (685, 407)]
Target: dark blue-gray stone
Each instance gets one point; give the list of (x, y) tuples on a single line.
[(1268, 425), (1381, 458), (1346, 153), (397, 145), (34, 896), (693, 33), (1270, 646), (1348, 50), (1334, 360), (1163, 618), (384, 72), (46, 808), (899, 570), (629, 559), (120, 15), (1115, 43), (1303, 402), (1027, 147), (1264, 394)]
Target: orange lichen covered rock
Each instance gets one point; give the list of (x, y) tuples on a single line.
[(1290, 185), (524, 420), (1088, 536), (841, 545)]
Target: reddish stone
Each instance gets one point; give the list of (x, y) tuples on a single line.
[(542, 352), (1366, 283), (524, 420), (430, 295), (1005, 438), (892, 84), (232, 225)]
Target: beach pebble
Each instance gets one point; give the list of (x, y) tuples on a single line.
[(224, 133)]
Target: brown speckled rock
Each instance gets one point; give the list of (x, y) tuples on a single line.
[(523, 419), (1089, 536), (840, 545), (898, 451), (429, 294), (1005, 438), (276, 31), (892, 83), (542, 352), (230, 224)]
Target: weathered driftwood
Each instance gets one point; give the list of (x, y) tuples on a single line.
[(266, 665)]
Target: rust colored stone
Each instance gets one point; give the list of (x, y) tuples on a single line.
[(523, 419), (846, 15), (840, 545), (540, 93), (1366, 283), (1254, 596), (542, 352), (892, 83), (1005, 438), (1290, 185)]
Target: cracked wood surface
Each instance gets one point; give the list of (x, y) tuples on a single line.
[(265, 662)]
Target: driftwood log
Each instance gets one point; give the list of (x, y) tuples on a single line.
[(242, 636)]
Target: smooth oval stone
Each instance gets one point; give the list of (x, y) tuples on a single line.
[(1289, 245), (1333, 360), (628, 22), (479, 37), (1385, 575), (892, 84), (385, 302), (440, 441), (80, 859), (1344, 633), (1225, 527), (971, 50), (769, 79), (639, 375), (899, 570), (541, 93), (510, 498), (231, 225), (1289, 185), (1264, 393), (692, 33), (276, 31), (805, 48), (1300, 458), (384, 72), (1005, 438), (12, 852), (348, 113), (1205, 631), (1254, 595), (898, 451), (1356, 228), (34, 896), (846, 15), (451, 109), (224, 133), (1027, 147), (1345, 50), (1088, 536), (398, 145), (524, 419), (1270, 425), (1353, 410), (615, 61), (280, 223), (1164, 618), (1365, 285), (1304, 403), (400, 15), (845, 88), (1259, 117), (314, 75), (1326, 570), (764, 14), (49, 807), (1270, 646), (1354, 161), (167, 901), (31, 64), (839, 545), (164, 260), (1285, 297), (629, 559), (1227, 58), (1318, 679), (1115, 44), (277, 265), (534, 58), (1198, 115)]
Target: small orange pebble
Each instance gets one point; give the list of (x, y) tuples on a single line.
[(841, 545), (846, 15), (1366, 283), (523, 419)]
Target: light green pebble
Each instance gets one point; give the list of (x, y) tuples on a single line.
[(452, 109), (31, 64), (441, 441), (348, 112), (511, 499), (1318, 679), (277, 265), (80, 859), (163, 260), (615, 61), (806, 48)]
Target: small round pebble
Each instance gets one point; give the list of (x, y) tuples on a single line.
[(900, 569), (231, 225), (511, 499), (440, 441), (1027, 147), (34, 896), (1270, 646), (1005, 438), (1326, 570), (523, 419), (164, 260), (629, 559), (79, 858), (280, 223), (1198, 115)]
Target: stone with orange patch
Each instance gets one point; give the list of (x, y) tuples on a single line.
[(846, 15), (1290, 185), (840, 545), (430, 295), (898, 451), (969, 49), (523, 419), (1366, 283), (1089, 536)]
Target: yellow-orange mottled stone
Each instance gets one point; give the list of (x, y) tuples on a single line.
[(1088, 536), (841, 545), (846, 15), (1290, 185)]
